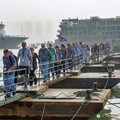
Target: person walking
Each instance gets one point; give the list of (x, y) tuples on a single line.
[(25, 56), (64, 56), (16, 72), (34, 66), (44, 57), (9, 63), (93, 58), (54, 56), (88, 54), (70, 55), (97, 52), (58, 64)]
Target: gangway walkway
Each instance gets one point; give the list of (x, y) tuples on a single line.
[(3, 99), (68, 67)]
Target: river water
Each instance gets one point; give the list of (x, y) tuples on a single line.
[(110, 111)]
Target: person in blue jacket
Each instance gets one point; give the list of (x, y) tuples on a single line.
[(44, 57), (9, 64)]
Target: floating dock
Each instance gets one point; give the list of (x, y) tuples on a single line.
[(88, 75), (112, 58), (56, 100), (57, 103), (86, 80)]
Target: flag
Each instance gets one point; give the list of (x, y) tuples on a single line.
[(61, 39)]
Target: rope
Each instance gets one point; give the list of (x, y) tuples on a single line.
[(28, 93), (43, 110), (108, 102), (79, 109), (106, 83), (108, 78), (83, 93)]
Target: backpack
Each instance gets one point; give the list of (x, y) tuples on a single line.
[(9, 59), (46, 53)]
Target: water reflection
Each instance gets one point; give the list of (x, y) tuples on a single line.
[(110, 111)]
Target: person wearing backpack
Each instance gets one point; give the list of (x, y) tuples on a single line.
[(44, 57), (9, 63), (16, 72)]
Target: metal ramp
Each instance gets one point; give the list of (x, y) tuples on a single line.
[(4, 88), (4, 101)]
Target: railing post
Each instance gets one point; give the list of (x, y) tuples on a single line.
[(6, 87), (25, 81), (39, 76)]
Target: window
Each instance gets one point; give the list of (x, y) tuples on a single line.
[(118, 28)]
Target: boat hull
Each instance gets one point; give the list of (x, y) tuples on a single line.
[(9, 42)]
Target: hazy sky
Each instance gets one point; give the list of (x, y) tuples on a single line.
[(56, 10)]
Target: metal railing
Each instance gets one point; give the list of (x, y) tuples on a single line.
[(53, 70), (7, 85), (115, 51), (97, 57)]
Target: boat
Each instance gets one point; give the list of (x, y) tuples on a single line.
[(90, 31), (9, 41)]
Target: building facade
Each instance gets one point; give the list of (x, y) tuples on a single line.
[(93, 30)]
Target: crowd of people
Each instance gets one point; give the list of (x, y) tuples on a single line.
[(51, 60), (96, 50)]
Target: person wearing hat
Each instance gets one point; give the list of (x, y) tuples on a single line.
[(9, 64)]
